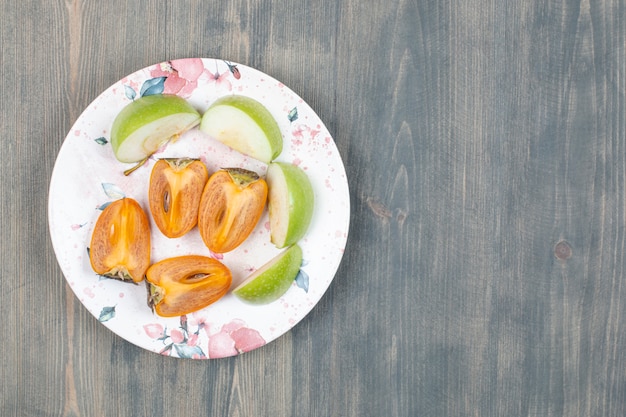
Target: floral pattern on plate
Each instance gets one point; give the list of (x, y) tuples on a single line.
[(87, 177)]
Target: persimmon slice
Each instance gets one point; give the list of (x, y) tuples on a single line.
[(120, 243), (184, 284), (230, 208), (176, 185)]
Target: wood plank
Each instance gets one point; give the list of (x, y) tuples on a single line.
[(484, 143)]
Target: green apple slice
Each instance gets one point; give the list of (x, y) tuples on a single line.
[(245, 125), (290, 203), (273, 279), (147, 123)]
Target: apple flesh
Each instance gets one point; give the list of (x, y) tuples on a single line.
[(149, 122), (245, 125), (273, 279), (290, 203)]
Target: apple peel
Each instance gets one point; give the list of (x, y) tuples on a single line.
[(244, 125), (148, 123), (273, 279), (291, 202)]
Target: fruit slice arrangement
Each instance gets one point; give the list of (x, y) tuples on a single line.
[(226, 206)]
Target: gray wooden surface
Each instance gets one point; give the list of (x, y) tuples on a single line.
[(485, 145)]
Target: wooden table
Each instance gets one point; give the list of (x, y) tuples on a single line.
[(485, 146)]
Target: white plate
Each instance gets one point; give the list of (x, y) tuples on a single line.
[(86, 176)]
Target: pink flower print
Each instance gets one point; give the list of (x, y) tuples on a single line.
[(153, 330), (177, 336), (198, 320), (221, 345), (182, 75), (189, 69), (179, 341), (233, 325), (247, 339), (219, 79), (173, 83), (193, 339), (234, 338)]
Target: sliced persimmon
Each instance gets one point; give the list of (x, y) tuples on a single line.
[(230, 208), (176, 186), (184, 284), (120, 243)]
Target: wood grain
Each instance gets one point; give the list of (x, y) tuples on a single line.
[(484, 143)]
